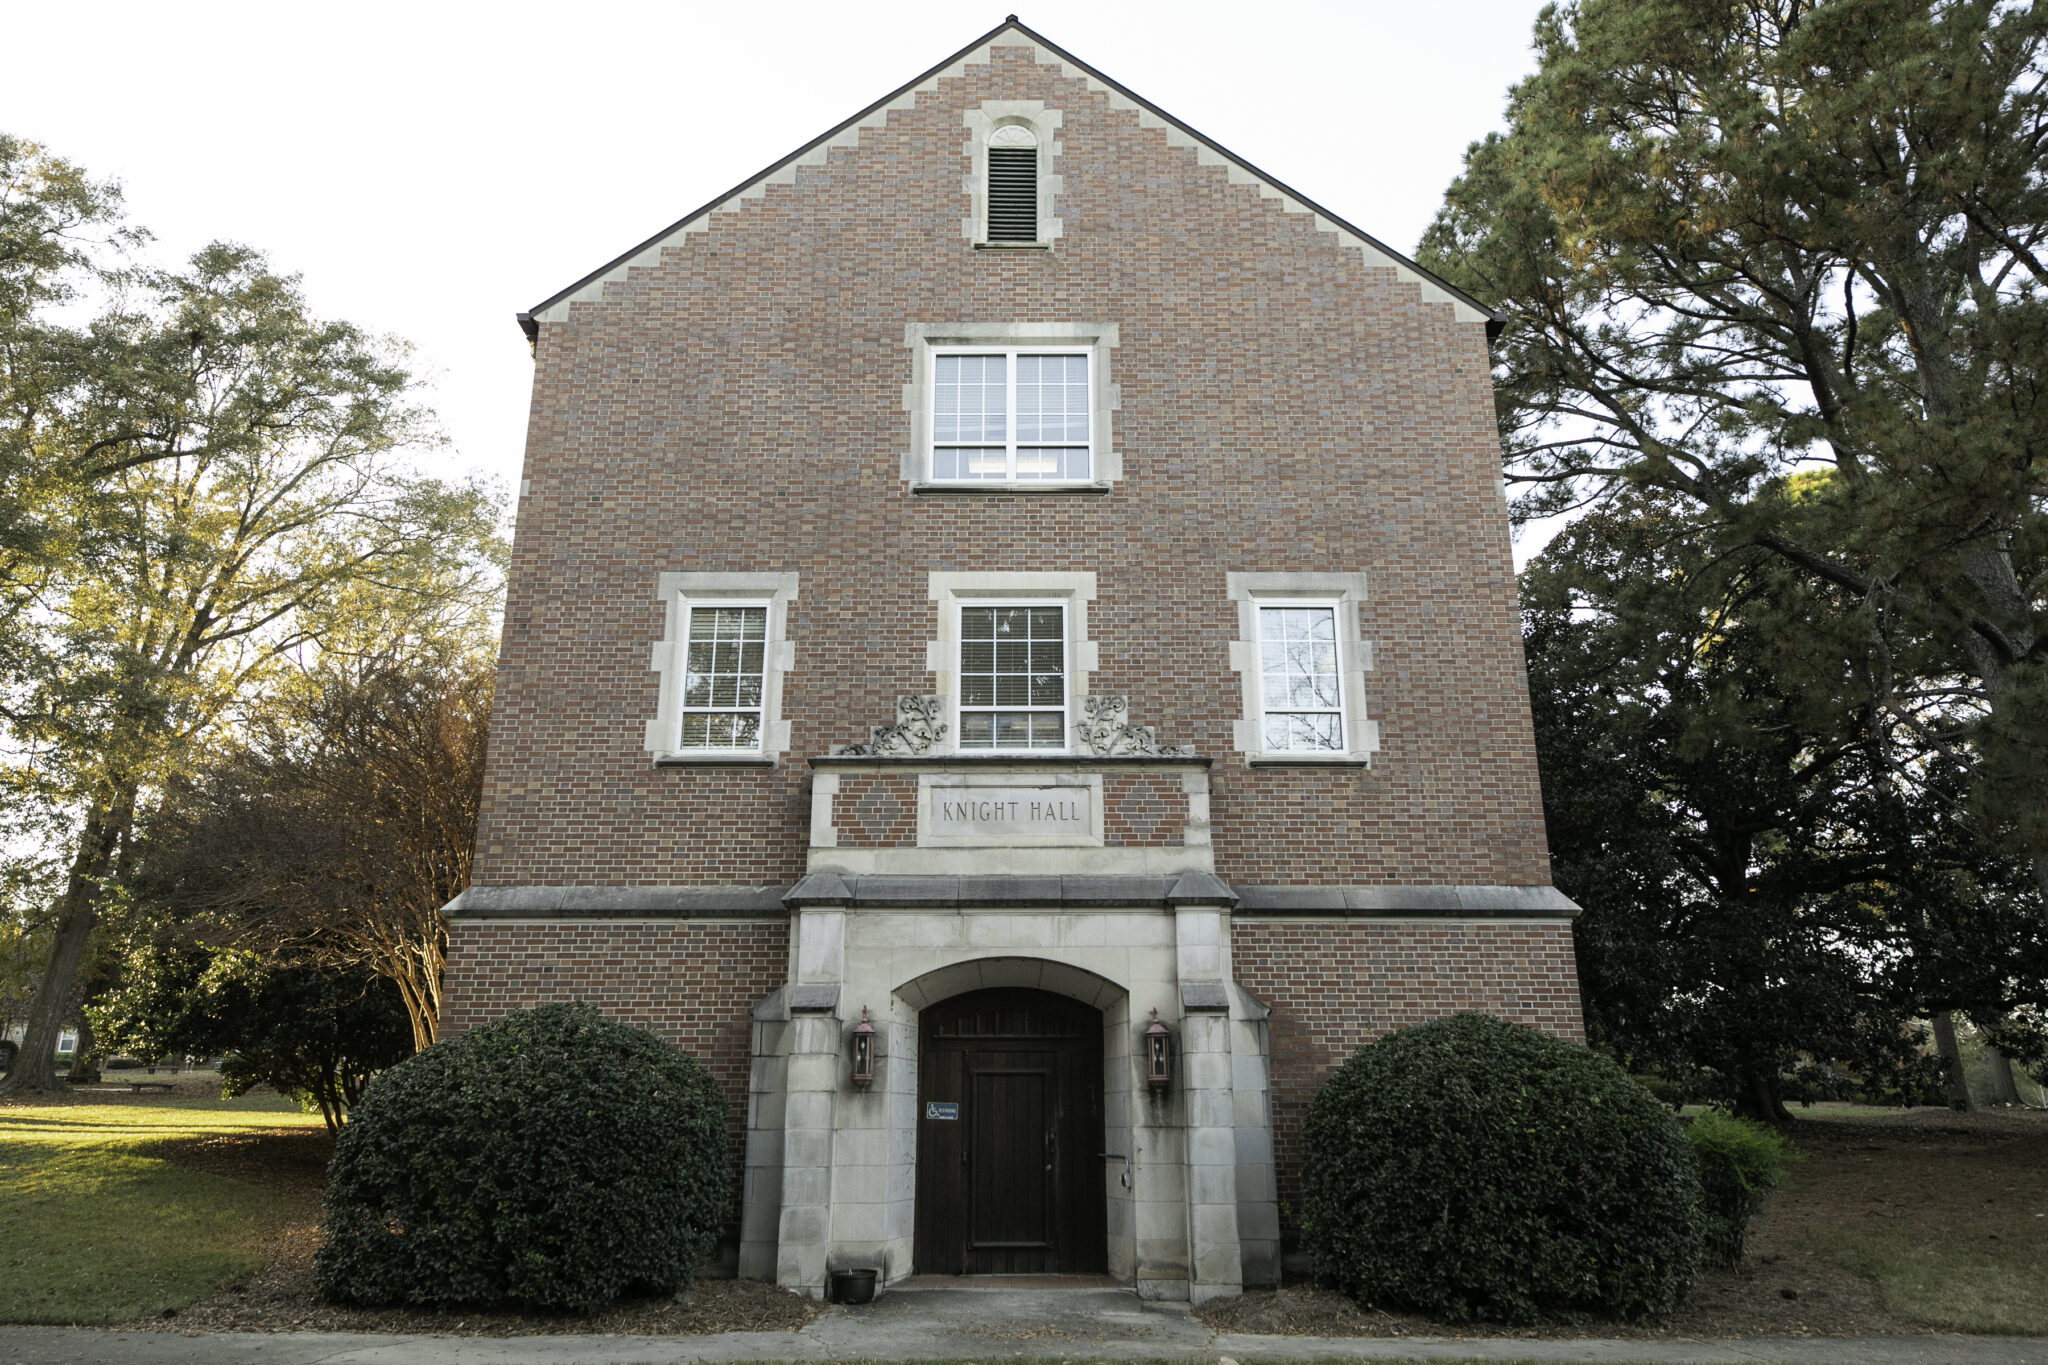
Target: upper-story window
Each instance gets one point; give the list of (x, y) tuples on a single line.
[(1013, 675), (1010, 415), (722, 657), (725, 672), (1301, 687), (1013, 184)]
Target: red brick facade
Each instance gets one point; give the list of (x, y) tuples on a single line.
[(1284, 406), (1334, 987), (691, 982)]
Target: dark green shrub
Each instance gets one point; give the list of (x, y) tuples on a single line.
[(553, 1160), (1740, 1164), (1473, 1168)]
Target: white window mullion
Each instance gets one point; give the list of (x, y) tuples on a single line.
[(1010, 397)]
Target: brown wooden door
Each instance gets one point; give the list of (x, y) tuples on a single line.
[(1009, 1176)]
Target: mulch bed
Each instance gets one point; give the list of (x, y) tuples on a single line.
[(281, 1296), (1856, 1164)]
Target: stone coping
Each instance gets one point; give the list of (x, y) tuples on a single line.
[(616, 902), (1450, 902), (825, 889)]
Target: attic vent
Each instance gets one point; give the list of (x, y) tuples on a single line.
[(1012, 185)]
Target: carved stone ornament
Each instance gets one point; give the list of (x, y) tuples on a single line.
[(1105, 730), (916, 730)]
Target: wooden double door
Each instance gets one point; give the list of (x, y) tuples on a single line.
[(1009, 1136)]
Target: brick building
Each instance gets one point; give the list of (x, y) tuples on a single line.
[(1011, 573)]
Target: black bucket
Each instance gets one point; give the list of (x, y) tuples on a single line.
[(853, 1286)]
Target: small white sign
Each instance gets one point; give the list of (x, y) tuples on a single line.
[(1004, 813)]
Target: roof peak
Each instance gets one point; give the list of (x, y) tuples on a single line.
[(813, 152)]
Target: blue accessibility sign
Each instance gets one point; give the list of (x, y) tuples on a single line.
[(941, 1109)]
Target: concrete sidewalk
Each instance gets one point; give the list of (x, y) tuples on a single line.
[(977, 1325)]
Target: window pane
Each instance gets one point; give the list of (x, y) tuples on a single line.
[(986, 464), (1052, 462), (968, 398), (1048, 731), (1013, 730), (977, 623), (977, 690), (978, 731), (1052, 398)]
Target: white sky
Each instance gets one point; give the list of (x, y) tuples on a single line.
[(432, 168)]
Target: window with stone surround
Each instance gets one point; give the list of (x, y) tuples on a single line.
[(722, 658), (1303, 665), (1013, 676), (1010, 407), (1012, 658)]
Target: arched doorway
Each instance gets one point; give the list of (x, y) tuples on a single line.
[(1009, 1166)]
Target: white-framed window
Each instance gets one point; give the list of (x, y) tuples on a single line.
[(1011, 407), (725, 671), (1301, 687), (1011, 657), (1303, 663), (1013, 676), (1012, 414), (722, 658)]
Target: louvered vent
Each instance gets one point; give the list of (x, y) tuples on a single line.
[(1013, 194)]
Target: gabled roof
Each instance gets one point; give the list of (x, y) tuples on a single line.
[(1011, 32)]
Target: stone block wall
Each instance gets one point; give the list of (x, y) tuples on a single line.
[(1335, 986)]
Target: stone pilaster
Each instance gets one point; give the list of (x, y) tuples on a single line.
[(1216, 1258)]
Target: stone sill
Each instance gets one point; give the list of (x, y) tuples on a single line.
[(1024, 762), (929, 489), (1013, 246), (693, 760), (1306, 761)]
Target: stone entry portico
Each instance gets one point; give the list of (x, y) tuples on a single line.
[(1187, 1172)]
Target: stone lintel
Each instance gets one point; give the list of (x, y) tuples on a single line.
[(1448, 902), (1204, 996)]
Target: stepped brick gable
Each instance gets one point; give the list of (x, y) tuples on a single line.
[(1009, 569)]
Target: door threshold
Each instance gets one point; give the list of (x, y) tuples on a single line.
[(1008, 1282)]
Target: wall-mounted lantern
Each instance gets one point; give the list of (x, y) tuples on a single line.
[(863, 1051), (1158, 1054)]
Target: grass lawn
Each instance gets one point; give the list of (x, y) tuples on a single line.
[(100, 1231)]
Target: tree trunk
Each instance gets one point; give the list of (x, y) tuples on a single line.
[(78, 913), (1757, 1098), (1953, 1077), (2004, 1089), (85, 1063)]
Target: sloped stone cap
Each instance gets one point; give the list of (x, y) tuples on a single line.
[(1451, 902), (614, 902), (950, 893)]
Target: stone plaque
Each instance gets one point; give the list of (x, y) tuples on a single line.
[(1001, 814)]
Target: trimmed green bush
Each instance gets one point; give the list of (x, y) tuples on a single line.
[(1472, 1168), (1740, 1164), (554, 1160)]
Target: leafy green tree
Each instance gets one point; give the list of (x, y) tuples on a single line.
[(1739, 240), (342, 819), (316, 1036), (235, 477), (1764, 893)]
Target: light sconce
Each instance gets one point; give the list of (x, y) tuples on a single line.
[(864, 1051), (1158, 1054)]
